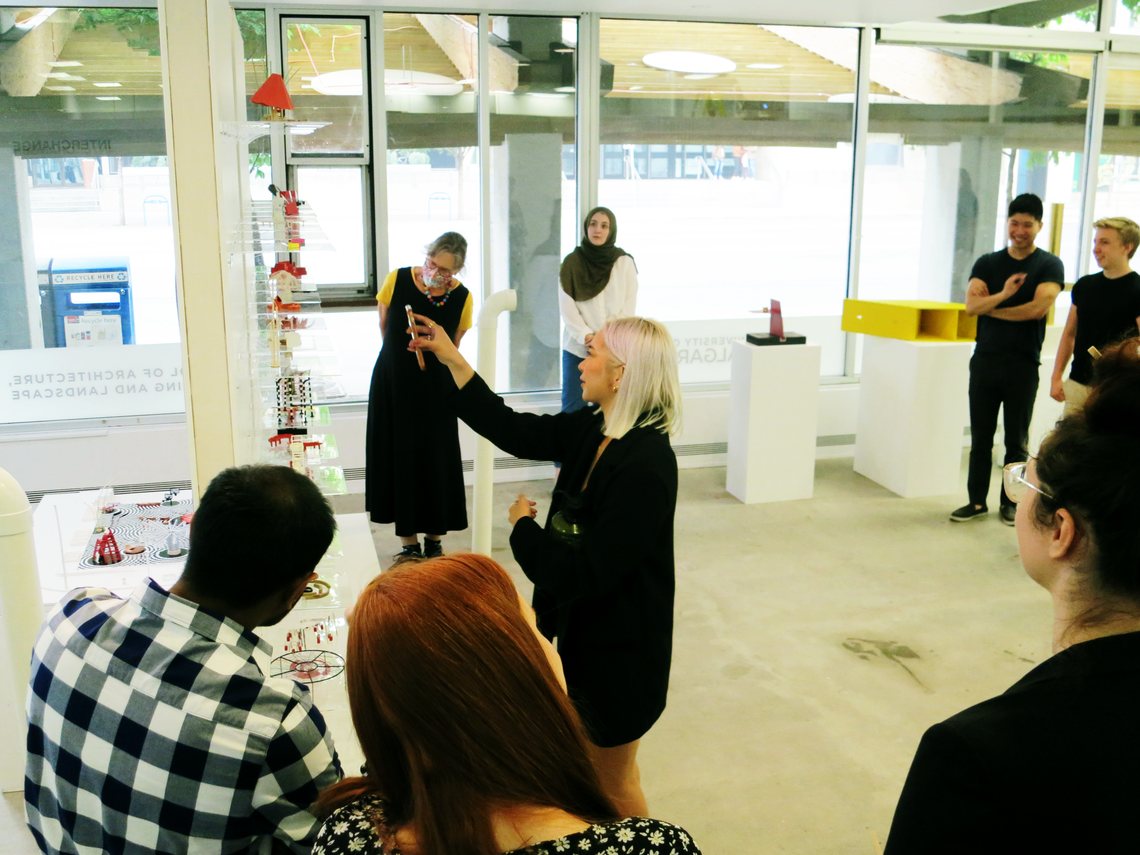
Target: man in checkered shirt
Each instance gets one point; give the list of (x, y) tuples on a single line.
[(153, 725)]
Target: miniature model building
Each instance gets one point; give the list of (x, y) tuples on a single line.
[(291, 349), (274, 94), (134, 535), (309, 656)]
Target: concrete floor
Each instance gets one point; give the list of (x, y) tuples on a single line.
[(815, 641)]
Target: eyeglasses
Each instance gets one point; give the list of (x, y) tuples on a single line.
[(1017, 485)]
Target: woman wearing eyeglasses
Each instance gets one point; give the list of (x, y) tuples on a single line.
[(414, 475), (602, 565), (1050, 766)]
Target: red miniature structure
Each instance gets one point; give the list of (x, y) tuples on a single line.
[(107, 550), (292, 208), (289, 267), (274, 94), (776, 326), (279, 306)]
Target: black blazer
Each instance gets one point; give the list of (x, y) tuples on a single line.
[(609, 601), (1050, 766)]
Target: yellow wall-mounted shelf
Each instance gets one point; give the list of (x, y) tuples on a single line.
[(909, 320)]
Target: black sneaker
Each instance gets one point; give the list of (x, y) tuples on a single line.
[(968, 512), (432, 548), (408, 553), (1008, 514)]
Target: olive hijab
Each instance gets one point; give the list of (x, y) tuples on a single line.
[(586, 271)]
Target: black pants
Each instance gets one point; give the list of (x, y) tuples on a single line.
[(1008, 381)]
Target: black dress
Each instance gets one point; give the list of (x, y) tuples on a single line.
[(608, 600), (351, 830), (414, 474), (1047, 768)]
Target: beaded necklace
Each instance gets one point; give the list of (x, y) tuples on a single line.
[(436, 301)]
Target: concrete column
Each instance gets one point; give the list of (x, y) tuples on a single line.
[(534, 163), (198, 41), (978, 193), (942, 209), (16, 259)]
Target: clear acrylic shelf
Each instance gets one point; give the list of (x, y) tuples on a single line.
[(247, 132)]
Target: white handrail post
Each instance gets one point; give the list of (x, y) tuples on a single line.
[(22, 612), (483, 491)]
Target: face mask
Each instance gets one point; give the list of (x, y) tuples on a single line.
[(434, 277)]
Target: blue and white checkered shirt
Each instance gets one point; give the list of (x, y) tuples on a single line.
[(153, 727)]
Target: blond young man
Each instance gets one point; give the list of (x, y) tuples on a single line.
[(1106, 308)]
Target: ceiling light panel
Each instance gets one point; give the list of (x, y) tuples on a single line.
[(689, 62)]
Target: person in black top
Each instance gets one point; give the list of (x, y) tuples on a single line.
[(602, 565), (1011, 292), (414, 473), (1048, 767), (1109, 304)]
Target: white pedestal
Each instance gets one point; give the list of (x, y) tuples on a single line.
[(911, 415), (773, 409)]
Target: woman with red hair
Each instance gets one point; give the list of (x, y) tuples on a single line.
[(472, 746)]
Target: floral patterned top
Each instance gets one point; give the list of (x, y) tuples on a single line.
[(351, 830)]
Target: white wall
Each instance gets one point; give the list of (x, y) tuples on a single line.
[(147, 454), (158, 453)]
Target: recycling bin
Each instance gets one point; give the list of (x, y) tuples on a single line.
[(87, 302)]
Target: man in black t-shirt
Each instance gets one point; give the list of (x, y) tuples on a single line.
[(1011, 292), (1109, 304)]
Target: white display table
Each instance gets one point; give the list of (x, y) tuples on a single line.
[(63, 526), (912, 415), (773, 410), (347, 574)]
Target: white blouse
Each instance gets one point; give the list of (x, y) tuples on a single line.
[(617, 300)]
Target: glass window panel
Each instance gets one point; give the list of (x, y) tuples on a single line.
[(85, 205), (974, 129), (748, 187), (534, 220), (430, 80), (430, 68), (1118, 174), (1127, 18), (326, 64), (252, 25), (336, 196), (1063, 16)]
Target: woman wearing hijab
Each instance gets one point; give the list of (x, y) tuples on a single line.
[(599, 284)]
